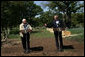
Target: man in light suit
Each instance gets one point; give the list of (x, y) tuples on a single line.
[(25, 30)]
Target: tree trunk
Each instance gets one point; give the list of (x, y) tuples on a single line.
[(5, 33), (69, 19), (63, 16), (68, 15)]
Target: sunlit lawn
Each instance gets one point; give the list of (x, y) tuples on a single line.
[(43, 33)]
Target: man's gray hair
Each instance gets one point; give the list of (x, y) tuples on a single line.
[(23, 19)]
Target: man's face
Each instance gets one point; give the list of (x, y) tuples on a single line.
[(55, 17), (24, 21)]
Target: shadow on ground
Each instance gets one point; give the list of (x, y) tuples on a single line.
[(39, 48), (68, 47)]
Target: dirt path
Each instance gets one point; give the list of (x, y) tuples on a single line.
[(42, 47)]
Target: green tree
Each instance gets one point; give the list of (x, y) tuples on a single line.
[(47, 17), (12, 13), (66, 7), (78, 19)]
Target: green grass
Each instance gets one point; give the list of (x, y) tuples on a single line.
[(37, 33), (80, 37), (14, 36), (43, 33), (76, 30)]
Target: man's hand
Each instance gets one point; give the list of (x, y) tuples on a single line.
[(22, 31), (45, 24), (29, 30)]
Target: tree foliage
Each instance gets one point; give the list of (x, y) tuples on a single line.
[(12, 13), (66, 7)]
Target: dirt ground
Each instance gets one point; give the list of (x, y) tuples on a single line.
[(42, 47)]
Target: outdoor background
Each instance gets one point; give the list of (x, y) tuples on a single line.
[(37, 14)]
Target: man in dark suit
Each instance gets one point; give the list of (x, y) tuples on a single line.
[(58, 25)]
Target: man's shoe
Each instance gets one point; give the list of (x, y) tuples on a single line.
[(61, 50), (27, 51)]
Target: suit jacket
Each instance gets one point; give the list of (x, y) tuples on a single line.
[(56, 24)]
